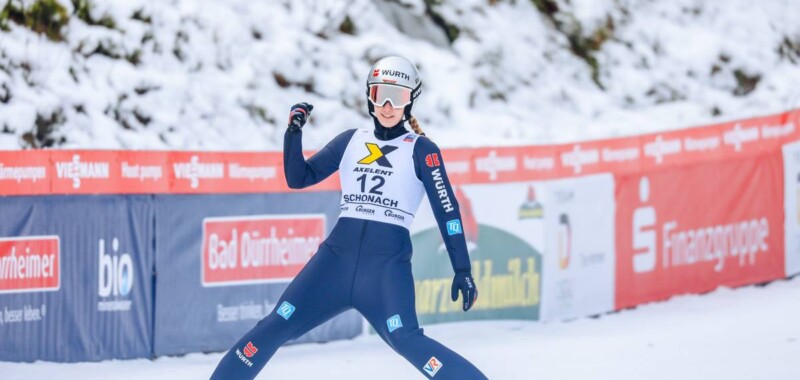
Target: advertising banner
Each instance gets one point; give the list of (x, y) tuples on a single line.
[(791, 167), (224, 260), (690, 229), (75, 278), (579, 260), (240, 250), (504, 236)]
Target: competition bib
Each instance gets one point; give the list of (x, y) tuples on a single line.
[(378, 179)]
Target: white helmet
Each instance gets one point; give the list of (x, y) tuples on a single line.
[(400, 83)]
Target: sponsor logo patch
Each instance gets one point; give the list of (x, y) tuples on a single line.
[(378, 154), (441, 191), (432, 366), (454, 227), (250, 349), (394, 216), (365, 210), (243, 358), (286, 310), (432, 160), (394, 323)]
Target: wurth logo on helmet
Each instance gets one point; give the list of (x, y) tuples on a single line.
[(258, 249), (395, 73), (77, 170), (194, 170), (115, 277), (30, 264), (376, 72)]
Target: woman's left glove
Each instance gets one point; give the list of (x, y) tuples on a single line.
[(464, 282)]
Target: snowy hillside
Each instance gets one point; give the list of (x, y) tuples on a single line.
[(221, 75)]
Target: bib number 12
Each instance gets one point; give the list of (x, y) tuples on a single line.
[(374, 190)]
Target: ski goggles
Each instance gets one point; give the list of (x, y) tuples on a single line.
[(398, 96)]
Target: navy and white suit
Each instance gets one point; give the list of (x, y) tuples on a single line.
[(365, 262)]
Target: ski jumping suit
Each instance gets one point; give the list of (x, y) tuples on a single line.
[(365, 262)]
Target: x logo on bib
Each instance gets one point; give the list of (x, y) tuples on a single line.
[(378, 154)]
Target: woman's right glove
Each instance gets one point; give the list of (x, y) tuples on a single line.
[(464, 282), (299, 115)]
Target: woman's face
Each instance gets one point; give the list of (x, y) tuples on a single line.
[(388, 116)]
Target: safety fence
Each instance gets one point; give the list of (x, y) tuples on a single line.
[(120, 254)]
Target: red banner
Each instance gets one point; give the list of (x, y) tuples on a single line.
[(30, 264), (690, 229), (258, 249), (158, 172), (735, 139)]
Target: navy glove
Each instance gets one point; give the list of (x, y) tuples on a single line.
[(299, 115), (464, 282)]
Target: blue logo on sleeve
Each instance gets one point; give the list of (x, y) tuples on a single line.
[(286, 310), (454, 227), (394, 323)]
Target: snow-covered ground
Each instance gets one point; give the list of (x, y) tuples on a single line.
[(730, 334), (221, 75)]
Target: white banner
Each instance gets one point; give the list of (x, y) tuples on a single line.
[(579, 260), (791, 170)]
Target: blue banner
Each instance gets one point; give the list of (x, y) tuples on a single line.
[(224, 260), (76, 278)]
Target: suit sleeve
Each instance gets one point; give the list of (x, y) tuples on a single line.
[(430, 169), (301, 173)]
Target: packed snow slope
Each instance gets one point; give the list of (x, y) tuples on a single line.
[(221, 75), (742, 334)]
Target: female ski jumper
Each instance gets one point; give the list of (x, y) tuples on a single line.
[(365, 262)]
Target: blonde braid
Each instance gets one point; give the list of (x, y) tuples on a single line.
[(415, 126)]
